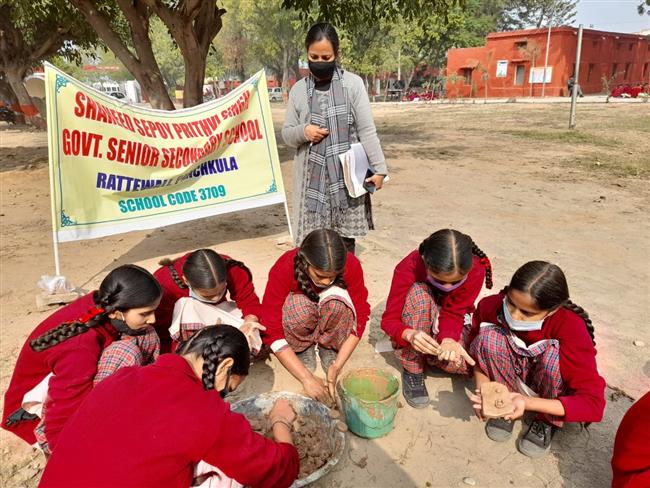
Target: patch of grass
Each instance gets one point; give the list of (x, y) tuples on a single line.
[(564, 136), (634, 166)]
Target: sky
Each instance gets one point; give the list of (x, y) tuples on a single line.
[(612, 15)]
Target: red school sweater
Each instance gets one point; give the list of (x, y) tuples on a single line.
[(282, 282), (148, 426), (453, 305), (631, 459), (239, 286), (586, 400), (73, 362)]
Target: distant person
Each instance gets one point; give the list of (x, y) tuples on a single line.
[(631, 459), (531, 336), (315, 302), (327, 111), (427, 311), (151, 426), (210, 278), (68, 352), (570, 84)]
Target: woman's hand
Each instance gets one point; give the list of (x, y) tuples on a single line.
[(450, 350), (519, 402), (332, 375), (315, 134), (283, 411), (421, 341), (314, 388), (249, 328), (477, 403), (377, 181)]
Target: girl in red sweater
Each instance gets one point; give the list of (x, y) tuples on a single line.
[(68, 346), (315, 301), (532, 336), (151, 426), (432, 294), (208, 277)]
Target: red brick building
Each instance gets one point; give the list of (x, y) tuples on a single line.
[(507, 59)]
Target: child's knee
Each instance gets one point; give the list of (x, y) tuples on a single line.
[(489, 342)]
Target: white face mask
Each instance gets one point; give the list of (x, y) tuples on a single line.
[(322, 287), (196, 296), (520, 325)]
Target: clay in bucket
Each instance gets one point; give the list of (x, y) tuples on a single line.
[(315, 435), (369, 400)]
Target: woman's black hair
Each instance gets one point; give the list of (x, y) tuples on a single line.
[(448, 250), (205, 269), (321, 31), (325, 250), (215, 343), (547, 286), (126, 287)]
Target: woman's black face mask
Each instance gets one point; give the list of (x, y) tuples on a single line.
[(322, 70)]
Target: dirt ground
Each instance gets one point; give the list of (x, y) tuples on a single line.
[(509, 175)]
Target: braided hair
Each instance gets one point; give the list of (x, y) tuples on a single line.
[(214, 344), (325, 250), (204, 269), (126, 287), (547, 285), (448, 250)]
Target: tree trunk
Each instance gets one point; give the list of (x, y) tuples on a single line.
[(194, 76), (409, 80), (144, 68), (26, 106), (285, 75), (8, 93)]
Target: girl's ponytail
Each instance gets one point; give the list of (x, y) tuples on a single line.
[(128, 286), (485, 262), (172, 271), (214, 344), (300, 274), (582, 313)]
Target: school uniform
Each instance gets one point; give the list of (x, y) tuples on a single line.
[(414, 304), (73, 363), (292, 319), (149, 427), (239, 286), (557, 362), (631, 459)]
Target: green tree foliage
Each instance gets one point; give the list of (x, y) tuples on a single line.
[(523, 14), (644, 7), (32, 31)]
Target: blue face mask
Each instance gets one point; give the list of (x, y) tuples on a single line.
[(520, 325)]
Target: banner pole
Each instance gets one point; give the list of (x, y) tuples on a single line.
[(57, 262), (286, 211)]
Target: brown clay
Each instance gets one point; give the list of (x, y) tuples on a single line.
[(313, 447), (496, 400), (341, 426), (335, 414)]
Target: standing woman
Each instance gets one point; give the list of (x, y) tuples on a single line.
[(59, 362), (329, 110)]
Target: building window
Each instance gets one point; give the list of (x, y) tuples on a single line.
[(627, 71), (590, 71), (521, 45), (520, 72), (467, 76), (614, 68)]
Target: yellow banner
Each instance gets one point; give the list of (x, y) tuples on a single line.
[(116, 167)]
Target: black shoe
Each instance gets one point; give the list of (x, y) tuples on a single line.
[(537, 441), (414, 390), (499, 430)]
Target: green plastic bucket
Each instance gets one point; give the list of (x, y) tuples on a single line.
[(369, 401)]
